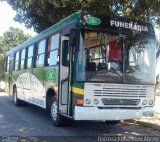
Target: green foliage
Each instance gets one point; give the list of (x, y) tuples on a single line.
[(41, 14), (10, 39)]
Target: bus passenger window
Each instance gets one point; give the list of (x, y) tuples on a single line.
[(23, 53), (40, 56), (30, 56), (52, 55), (53, 60), (7, 64), (16, 67)]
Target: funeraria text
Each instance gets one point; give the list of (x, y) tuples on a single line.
[(129, 25)]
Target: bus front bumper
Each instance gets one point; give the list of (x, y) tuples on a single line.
[(94, 113)]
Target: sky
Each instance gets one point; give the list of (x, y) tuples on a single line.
[(6, 20)]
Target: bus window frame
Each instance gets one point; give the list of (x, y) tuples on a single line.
[(22, 58), (29, 56), (49, 50), (7, 66), (37, 54), (16, 60)]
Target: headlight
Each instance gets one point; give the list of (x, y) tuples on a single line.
[(144, 102), (150, 102), (87, 101), (96, 101)]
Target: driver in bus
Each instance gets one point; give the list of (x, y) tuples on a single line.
[(115, 52)]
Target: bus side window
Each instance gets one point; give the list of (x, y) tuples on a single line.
[(40, 53), (7, 64), (23, 53), (16, 61), (52, 57), (29, 56)]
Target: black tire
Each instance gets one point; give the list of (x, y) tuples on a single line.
[(17, 101), (112, 122), (57, 119)]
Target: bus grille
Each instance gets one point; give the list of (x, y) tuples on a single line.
[(117, 91), (118, 94)]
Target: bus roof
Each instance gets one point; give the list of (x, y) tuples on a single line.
[(68, 20)]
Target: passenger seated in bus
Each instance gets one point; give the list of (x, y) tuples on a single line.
[(115, 50), (90, 66), (101, 66)]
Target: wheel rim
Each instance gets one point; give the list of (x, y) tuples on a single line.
[(54, 111), (15, 97)]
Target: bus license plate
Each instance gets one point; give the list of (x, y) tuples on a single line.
[(148, 113)]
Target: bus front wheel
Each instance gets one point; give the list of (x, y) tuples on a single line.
[(17, 101), (56, 117)]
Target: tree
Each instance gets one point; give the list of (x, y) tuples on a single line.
[(8, 40), (43, 13)]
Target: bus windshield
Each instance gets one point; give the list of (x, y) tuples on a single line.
[(115, 58)]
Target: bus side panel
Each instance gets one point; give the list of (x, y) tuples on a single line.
[(26, 85), (15, 76), (7, 82), (51, 78), (8, 75), (37, 87)]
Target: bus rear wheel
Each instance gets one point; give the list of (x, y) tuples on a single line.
[(112, 122), (56, 117), (17, 101)]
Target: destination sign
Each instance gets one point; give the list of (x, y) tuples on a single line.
[(130, 25), (115, 24)]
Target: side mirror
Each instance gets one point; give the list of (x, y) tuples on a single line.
[(72, 37)]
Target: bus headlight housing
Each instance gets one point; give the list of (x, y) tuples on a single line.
[(150, 102), (87, 101), (144, 102), (96, 101)]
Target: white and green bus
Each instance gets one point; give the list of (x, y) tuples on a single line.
[(86, 67)]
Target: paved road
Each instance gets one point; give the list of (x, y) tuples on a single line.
[(33, 121)]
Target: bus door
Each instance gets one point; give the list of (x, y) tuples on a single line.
[(64, 93)]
